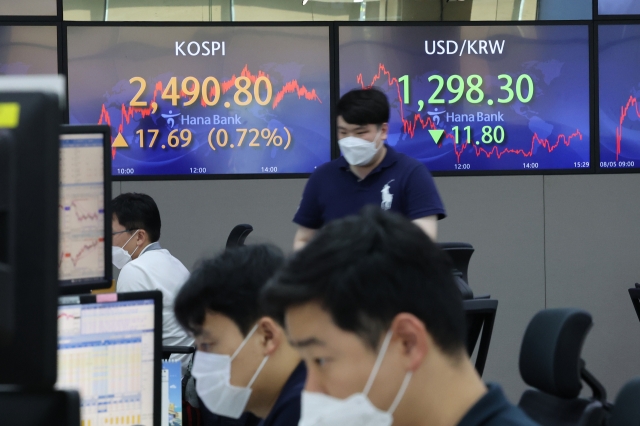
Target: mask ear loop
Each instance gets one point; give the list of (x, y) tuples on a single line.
[(376, 366), (403, 388), (134, 234), (264, 361), (255, 376), (244, 342)]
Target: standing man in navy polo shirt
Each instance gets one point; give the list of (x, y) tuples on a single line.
[(369, 172)]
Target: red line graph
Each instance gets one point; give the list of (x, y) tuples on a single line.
[(75, 258), (624, 111), (66, 315), (409, 126), (127, 113)]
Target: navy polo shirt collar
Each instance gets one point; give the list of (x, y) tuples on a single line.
[(487, 407), (390, 158), (292, 389)]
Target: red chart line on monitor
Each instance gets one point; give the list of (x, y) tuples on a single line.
[(127, 113), (77, 257), (409, 126), (624, 111)]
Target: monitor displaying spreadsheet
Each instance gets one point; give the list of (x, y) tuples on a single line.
[(107, 351)]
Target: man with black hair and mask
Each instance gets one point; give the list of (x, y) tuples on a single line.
[(369, 172), (372, 308), (243, 362)]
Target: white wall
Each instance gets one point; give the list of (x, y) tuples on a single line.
[(553, 241)]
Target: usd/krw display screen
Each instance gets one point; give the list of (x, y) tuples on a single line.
[(28, 49), (619, 93), (478, 98), (203, 100)]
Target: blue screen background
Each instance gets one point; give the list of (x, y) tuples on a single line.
[(296, 60), (619, 91), (551, 132)]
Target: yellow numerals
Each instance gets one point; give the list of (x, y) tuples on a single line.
[(172, 140), (208, 91), (271, 137), (143, 86), (154, 132)]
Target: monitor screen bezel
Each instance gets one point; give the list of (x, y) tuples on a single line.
[(154, 295), (596, 83), (331, 28), (106, 281), (592, 88)]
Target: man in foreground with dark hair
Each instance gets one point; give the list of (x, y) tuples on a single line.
[(369, 172), (144, 264), (372, 308), (243, 360)]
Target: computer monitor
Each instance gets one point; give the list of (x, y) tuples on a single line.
[(84, 261), (29, 125), (109, 348)]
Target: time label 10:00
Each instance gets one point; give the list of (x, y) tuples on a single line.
[(218, 137), (522, 90), (209, 91)]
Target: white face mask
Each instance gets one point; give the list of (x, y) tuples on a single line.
[(119, 256), (213, 382), (318, 409), (357, 151)]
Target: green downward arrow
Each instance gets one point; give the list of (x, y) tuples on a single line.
[(436, 135)]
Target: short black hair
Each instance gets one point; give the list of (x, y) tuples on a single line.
[(364, 106), (228, 284), (137, 211), (366, 269)]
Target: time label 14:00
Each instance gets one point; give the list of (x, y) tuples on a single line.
[(220, 138), (456, 85), (208, 91)]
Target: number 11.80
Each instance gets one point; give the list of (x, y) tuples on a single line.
[(489, 135)]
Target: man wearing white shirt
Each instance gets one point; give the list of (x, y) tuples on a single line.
[(144, 264)]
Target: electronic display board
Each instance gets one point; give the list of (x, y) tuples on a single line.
[(28, 49), (618, 96), (188, 101), (478, 98), (28, 7), (618, 7)]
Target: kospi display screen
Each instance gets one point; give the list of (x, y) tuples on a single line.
[(204, 100), (28, 49), (619, 93), (478, 98), (618, 7)]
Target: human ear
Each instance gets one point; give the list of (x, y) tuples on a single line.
[(271, 335), (414, 338), (141, 237), (384, 130)]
